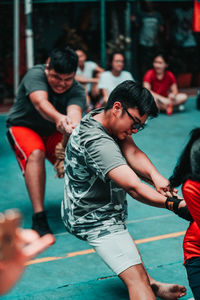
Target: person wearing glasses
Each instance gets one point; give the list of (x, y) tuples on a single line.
[(102, 164), (49, 104)]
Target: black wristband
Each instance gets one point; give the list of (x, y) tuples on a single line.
[(172, 203)]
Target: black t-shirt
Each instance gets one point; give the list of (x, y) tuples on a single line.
[(23, 112)]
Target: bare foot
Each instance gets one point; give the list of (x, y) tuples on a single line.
[(168, 291)]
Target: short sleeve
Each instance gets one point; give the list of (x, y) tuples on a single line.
[(35, 80), (77, 96), (129, 76), (102, 155), (93, 65), (148, 76), (172, 77), (102, 84)]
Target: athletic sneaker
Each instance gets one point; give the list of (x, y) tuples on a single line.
[(181, 107), (40, 224)]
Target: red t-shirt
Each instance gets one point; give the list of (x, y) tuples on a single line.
[(191, 243), (162, 86)]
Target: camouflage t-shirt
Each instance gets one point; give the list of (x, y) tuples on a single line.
[(93, 204)]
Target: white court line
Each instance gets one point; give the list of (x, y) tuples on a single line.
[(130, 222), (149, 218)]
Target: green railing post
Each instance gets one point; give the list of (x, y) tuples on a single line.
[(128, 35), (103, 33)]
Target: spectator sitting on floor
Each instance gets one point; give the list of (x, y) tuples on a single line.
[(116, 75), (87, 74), (49, 104), (162, 84)]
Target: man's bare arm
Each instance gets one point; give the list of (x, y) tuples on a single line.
[(141, 165), (126, 178), (105, 95), (84, 80), (48, 111), (74, 112)]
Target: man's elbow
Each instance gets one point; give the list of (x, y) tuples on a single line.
[(134, 190)]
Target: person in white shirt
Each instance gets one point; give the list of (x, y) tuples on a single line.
[(110, 79), (87, 74)]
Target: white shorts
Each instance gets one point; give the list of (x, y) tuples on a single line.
[(117, 250)]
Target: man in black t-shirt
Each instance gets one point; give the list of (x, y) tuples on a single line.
[(49, 103)]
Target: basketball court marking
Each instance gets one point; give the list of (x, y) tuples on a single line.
[(89, 251)]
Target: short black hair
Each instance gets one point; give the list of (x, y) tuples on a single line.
[(63, 60), (133, 95), (79, 48)]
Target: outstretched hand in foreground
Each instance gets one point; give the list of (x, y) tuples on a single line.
[(25, 245)]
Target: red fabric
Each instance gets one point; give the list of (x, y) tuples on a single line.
[(196, 16), (26, 141), (191, 243), (160, 87)]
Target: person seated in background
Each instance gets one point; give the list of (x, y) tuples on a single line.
[(110, 79), (17, 247), (163, 86), (87, 74), (187, 174)]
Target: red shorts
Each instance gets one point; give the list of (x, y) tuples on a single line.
[(24, 141)]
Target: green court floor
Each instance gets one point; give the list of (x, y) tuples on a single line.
[(70, 269)]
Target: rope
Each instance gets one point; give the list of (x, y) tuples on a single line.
[(60, 157)]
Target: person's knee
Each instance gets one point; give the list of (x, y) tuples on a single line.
[(135, 274), (37, 156), (181, 98)]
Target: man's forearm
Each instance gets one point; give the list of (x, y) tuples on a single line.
[(142, 165), (74, 112), (42, 104), (147, 195), (47, 110)]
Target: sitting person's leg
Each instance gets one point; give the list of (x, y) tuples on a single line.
[(180, 99)]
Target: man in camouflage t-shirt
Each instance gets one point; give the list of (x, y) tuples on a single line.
[(101, 165)]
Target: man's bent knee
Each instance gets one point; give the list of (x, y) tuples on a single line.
[(36, 156), (134, 274)]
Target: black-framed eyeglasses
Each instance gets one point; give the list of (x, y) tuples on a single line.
[(136, 125)]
